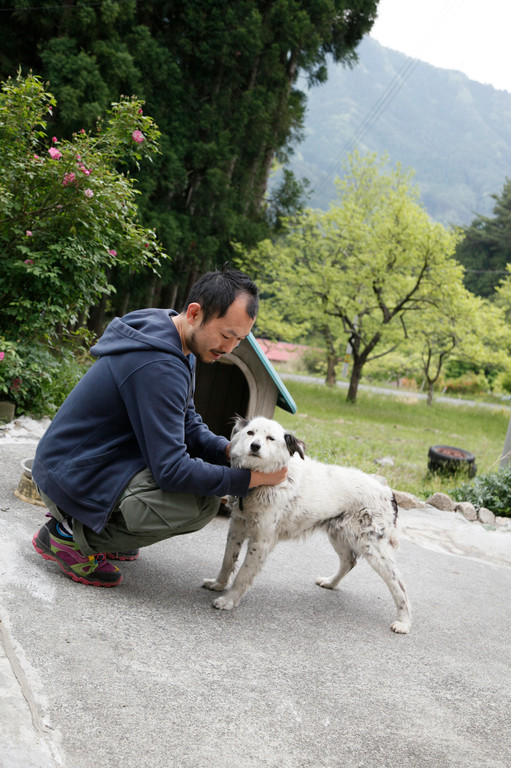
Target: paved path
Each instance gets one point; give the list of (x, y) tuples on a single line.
[(149, 674), (405, 393)]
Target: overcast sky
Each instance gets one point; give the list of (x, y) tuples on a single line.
[(472, 36)]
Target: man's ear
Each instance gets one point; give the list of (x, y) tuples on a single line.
[(194, 313), (294, 445)]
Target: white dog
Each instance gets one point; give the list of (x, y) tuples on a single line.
[(356, 511)]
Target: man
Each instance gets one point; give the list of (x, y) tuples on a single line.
[(127, 461)]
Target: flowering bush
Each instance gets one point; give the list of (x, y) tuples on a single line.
[(10, 368), (68, 217)]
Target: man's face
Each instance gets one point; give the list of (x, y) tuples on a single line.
[(220, 335)]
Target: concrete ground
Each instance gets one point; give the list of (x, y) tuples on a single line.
[(149, 674)]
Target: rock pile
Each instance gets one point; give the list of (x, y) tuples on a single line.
[(444, 502)]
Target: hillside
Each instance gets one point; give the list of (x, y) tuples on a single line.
[(454, 132)]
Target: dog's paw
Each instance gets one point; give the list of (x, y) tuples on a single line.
[(213, 584), (400, 627), (224, 603), (326, 583)]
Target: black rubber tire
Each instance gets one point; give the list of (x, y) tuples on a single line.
[(449, 460)]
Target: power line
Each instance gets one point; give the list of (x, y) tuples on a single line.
[(395, 85)]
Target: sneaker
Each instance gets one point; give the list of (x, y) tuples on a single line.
[(53, 544), (131, 555)]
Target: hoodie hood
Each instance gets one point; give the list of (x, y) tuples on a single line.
[(141, 330)]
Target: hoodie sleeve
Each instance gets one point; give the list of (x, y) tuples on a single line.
[(168, 431)]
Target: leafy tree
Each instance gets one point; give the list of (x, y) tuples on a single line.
[(486, 247), (67, 217), (456, 325), (220, 80), (358, 270)]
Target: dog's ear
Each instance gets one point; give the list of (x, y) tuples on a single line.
[(294, 445), (239, 423)]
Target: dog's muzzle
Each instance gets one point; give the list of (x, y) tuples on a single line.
[(255, 448)]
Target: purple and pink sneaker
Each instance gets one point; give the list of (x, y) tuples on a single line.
[(53, 544)]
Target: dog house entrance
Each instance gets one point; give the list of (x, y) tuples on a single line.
[(221, 392)]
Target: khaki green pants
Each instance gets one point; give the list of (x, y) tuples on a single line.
[(143, 515)]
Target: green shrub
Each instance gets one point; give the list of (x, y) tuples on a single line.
[(469, 384), (492, 490), (37, 378)]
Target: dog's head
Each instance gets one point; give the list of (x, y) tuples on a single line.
[(262, 445)]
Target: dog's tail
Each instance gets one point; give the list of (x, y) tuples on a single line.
[(393, 539)]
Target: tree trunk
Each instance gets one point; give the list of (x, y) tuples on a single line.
[(96, 322), (331, 357), (430, 393), (356, 375)]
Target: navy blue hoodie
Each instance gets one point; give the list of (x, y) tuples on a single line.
[(132, 409)]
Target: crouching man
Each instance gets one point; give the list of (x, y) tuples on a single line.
[(127, 461)]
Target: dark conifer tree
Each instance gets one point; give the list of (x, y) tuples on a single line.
[(220, 79)]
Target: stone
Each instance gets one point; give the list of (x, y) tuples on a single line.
[(385, 461), (486, 516), (467, 509), (442, 501), (408, 500)]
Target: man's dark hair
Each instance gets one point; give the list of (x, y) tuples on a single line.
[(216, 291)]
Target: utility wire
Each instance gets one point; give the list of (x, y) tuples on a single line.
[(395, 85)]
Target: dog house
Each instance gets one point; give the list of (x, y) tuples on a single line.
[(242, 383)]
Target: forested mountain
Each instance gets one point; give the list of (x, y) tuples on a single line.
[(455, 133)]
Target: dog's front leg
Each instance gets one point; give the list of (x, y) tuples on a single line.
[(258, 550), (235, 538)]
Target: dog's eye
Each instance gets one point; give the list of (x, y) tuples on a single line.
[(269, 437), (250, 432)]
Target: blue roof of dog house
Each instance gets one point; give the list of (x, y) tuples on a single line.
[(284, 399)]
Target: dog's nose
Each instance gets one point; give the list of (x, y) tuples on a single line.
[(255, 447)]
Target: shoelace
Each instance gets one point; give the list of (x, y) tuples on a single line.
[(98, 558)]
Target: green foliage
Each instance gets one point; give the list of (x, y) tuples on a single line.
[(491, 490), (38, 377), (486, 248), (67, 217), (356, 272), (220, 80)]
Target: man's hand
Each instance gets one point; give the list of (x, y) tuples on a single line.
[(268, 478)]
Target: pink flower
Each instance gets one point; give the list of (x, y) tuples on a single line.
[(28, 261), (29, 233), (84, 169), (36, 157), (82, 130), (50, 110), (55, 154), (138, 136), (55, 140), (140, 111), (2, 355), (112, 252), (16, 385), (68, 179), (88, 193)]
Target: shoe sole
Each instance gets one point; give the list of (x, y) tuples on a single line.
[(113, 556), (38, 546)]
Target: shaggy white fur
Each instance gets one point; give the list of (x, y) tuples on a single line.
[(356, 511)]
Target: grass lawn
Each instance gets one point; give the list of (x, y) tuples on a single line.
[(381, 425)]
